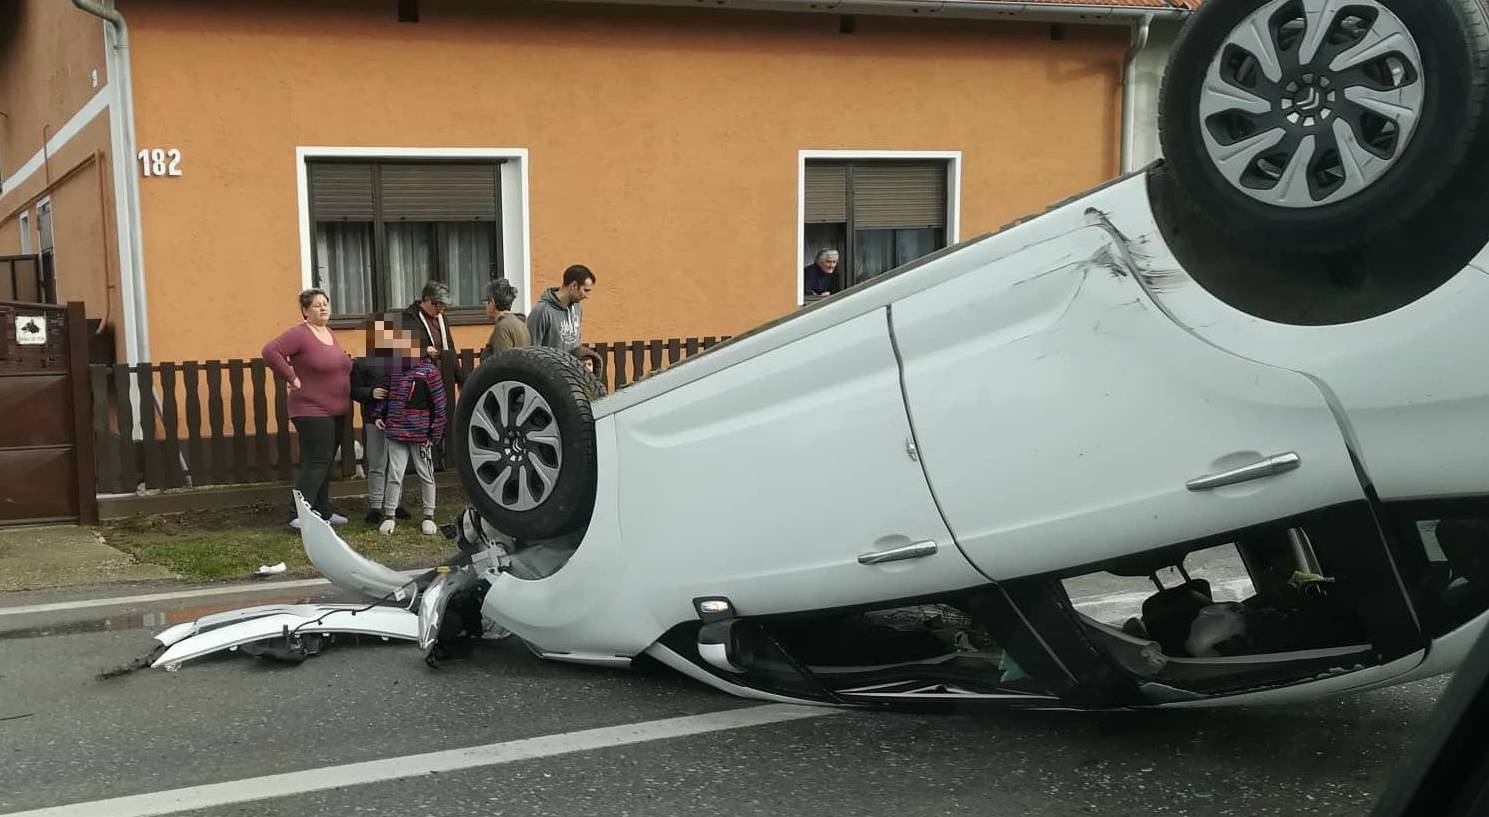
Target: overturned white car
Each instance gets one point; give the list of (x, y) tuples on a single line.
[(1259, 357)]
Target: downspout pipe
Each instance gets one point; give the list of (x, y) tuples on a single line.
[(1141, 31), (1093, 12), (135, 317)]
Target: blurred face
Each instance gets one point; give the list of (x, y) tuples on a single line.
[(490, 306), (589, 365), (404, 344), (383, 336), (319, 310), (829, 264), (431, 308), (578, 292)]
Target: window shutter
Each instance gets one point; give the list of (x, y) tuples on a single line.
[(899, 195), (340, 192), (826, 193), (439, 192)]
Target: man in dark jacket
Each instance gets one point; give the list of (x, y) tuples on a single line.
[(427, 315), (556, 317)]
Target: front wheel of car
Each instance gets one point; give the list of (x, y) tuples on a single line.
[(525, 442), (1318, 125)]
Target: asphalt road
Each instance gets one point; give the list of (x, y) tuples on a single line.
[(68, 737)]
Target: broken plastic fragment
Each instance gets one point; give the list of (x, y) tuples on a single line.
[(270, 570)]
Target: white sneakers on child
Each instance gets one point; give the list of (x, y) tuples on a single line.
[(427, 527)]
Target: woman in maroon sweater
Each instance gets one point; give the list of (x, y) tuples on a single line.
[(319, 376)]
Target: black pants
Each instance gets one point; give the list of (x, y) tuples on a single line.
[(319, 437)]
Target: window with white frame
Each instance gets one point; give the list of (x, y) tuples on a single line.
[(877, 213), (381, 229)]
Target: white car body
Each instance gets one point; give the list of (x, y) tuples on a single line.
[(1023, 404)]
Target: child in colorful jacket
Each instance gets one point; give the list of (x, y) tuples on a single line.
[(413, 417)]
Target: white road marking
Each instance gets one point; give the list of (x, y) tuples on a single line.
[(123, 601), (253, 789)]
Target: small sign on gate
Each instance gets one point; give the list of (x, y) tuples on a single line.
[(31, 330)]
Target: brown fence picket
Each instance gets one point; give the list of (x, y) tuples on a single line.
[(104, 443), (262, 470), (144, 374), (674, 350), (654, 347), (191, 382), (129, 474), (285, 465), (638, 360), (171, 426), (619, 356), (217, 471), (238, 411)]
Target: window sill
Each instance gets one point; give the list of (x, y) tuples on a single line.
[(469, 316)]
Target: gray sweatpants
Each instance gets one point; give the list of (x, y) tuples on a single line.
[(375, 461), (399, 454)]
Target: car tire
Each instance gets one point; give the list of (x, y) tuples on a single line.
[(525, 442), (1274, 149)]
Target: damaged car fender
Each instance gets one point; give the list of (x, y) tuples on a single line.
[(347, 568)]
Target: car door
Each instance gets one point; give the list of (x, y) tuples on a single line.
[(787, 481), (1064, 420)]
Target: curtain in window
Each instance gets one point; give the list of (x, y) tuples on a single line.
[(873, 253), (343, 251), (912, 244), (410, 261), (468, 262)]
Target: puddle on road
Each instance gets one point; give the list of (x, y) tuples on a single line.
[(153, 621)]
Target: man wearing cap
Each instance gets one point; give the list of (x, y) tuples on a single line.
[(427, 317)]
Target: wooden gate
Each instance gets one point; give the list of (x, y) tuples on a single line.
[(46, 445)]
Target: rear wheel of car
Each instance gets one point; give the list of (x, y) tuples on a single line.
[(525, 442), (1320, 125)]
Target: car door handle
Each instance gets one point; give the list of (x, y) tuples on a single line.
[(1271, 466), (918, 550)]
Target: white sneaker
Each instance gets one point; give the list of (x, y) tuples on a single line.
[(337, 519), (386, 528), (428, 528)]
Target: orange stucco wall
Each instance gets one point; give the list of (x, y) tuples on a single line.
[(79, 183), (48, 51), (663, 142)]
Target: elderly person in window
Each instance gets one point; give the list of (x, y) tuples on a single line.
[(508, 330), (817, 277)]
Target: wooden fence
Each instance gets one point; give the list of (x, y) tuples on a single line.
[(225, 422)]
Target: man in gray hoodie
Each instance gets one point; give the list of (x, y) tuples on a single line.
[(555, 318)]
